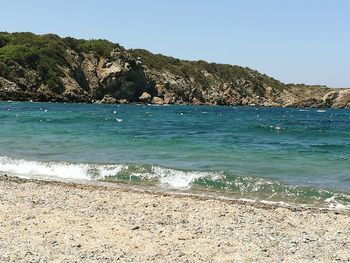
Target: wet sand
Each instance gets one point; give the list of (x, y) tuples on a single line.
[(43, 221)]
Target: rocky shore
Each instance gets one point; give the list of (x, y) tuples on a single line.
[(49, 68), (44, 221)]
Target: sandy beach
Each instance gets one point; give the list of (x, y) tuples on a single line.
[(44, 221)]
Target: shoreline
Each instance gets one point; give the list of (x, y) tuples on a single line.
[(184, 104), (55, 221), (195, 194)]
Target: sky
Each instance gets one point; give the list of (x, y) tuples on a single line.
[(295, 41)]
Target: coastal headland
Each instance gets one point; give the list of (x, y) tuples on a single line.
[(48, 68), (48, 221)]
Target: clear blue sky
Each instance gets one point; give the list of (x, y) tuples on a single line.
[(300, 41)]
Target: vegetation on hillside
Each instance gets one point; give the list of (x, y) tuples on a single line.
[(197, 69), (44, 53), (28, 61)]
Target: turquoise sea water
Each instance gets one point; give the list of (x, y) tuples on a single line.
[(275, 154)]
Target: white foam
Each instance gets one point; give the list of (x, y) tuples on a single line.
[(25, 168), (330, 199), (165, 176), (171, 177), (22, 167), (339, 206), (109, 170), (247, 200), (268, 202), (334, 204), (180, 179), (276, 127)]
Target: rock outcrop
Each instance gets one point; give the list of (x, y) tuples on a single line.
[(145, 97), (126, 76)]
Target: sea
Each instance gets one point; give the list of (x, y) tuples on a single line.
[(290, 156)]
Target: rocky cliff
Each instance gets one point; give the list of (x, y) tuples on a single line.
[(50, 68)]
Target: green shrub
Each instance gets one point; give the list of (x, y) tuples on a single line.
[(4, 69), (2, 42), (101, 47)]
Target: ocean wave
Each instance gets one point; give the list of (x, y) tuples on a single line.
[(110, 172), (29, 168), (255, 188)]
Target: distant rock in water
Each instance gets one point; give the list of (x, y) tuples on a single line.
[(50, 68)]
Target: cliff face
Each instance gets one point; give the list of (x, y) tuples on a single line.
[(49, 68), (174, 89), (84, 77)]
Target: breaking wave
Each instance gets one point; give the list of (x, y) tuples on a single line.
[(243, 187)]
